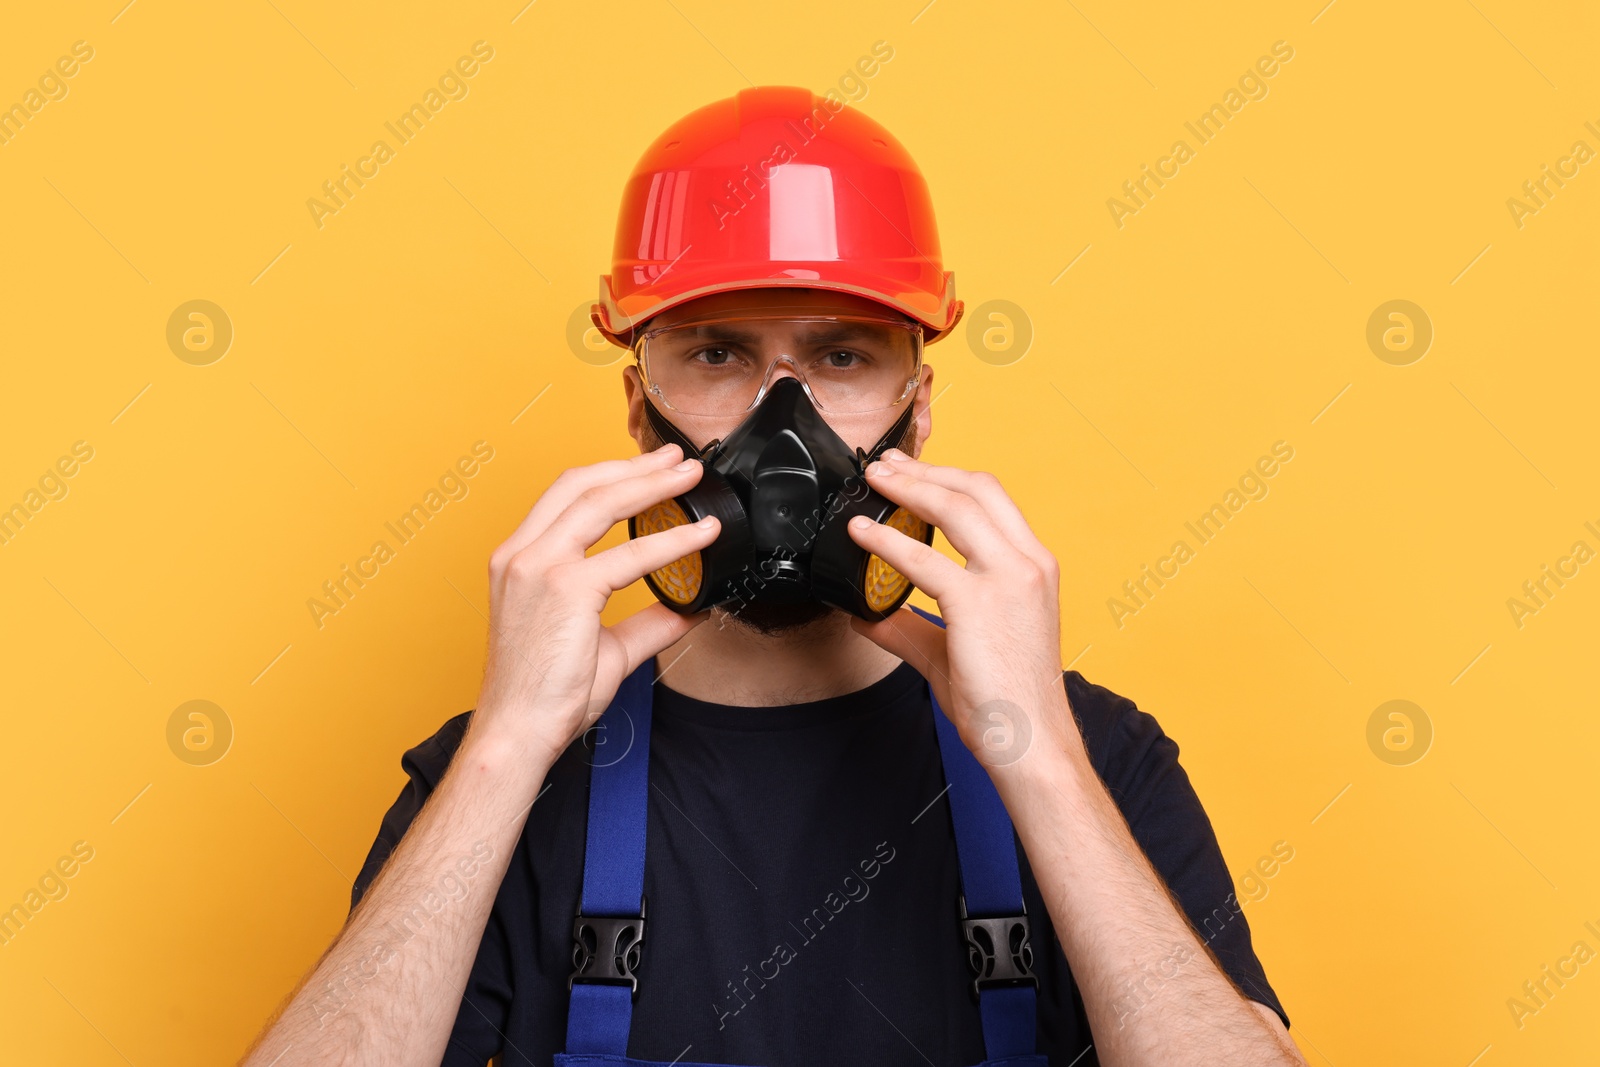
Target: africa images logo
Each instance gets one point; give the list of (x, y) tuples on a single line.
[(853, 888), (451, 85)]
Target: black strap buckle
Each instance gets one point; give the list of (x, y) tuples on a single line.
[(607, 948), (999, 949)]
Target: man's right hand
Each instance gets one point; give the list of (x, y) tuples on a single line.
[(552, 667)]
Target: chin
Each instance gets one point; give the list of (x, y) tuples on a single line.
[(772, 619)]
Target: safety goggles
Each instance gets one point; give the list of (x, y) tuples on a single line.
[(847, 364)]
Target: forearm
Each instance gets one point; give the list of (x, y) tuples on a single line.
[(389, 988), (1152, 991), (387, 991)]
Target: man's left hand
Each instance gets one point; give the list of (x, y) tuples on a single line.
[(996, 667)]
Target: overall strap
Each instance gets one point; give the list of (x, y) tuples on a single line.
[(993, 916), (609, 929)]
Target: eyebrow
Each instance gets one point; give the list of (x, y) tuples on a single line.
[(842, 331), (721, 332)]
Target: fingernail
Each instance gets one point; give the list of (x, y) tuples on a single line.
[(895, 453), (880, 468), (707, 521), (687, 465), (663, 448), (861, 522)]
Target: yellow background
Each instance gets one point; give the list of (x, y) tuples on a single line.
[(426, 315)]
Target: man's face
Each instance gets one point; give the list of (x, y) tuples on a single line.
[(776, 336)]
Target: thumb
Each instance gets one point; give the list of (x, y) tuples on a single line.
[(914, 639), (636, 639)]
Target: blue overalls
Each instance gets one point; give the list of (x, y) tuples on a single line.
[(609, 931)]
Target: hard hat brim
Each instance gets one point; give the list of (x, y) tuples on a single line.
[(617, 320)]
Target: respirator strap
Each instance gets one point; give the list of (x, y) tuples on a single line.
[(891, 437), (671, 435)]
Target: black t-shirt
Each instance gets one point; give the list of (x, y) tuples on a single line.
[(801, 882)]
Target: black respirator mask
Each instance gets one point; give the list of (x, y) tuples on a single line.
[(784, 486)]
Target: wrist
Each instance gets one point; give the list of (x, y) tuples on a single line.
[(1054, 756), (523, 729), (510, 759)]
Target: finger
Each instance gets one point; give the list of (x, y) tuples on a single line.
[(986, 489), (600, 507), (619, 567), (917, 641), (965, 523), (578, 480), (639, 637), (930, 570)]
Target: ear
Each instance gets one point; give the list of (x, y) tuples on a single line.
[(924, 403), (633, 389)]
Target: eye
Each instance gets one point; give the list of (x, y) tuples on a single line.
[(842, 359), (713, 356)]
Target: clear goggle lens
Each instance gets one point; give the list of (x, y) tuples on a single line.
[(846, 363)]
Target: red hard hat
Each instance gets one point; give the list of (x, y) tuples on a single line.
[(775, 187)]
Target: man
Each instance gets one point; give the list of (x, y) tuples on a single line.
[(818, 792)]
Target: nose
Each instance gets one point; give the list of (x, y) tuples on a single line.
[(782, 367)]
